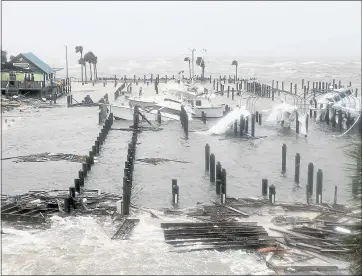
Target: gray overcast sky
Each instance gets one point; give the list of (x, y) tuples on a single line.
[(169, 28)]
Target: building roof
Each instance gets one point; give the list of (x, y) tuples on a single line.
[(38, 62)]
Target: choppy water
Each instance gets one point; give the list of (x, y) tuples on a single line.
[(83, 245)]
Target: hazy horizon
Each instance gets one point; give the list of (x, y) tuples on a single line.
[(274, 30)]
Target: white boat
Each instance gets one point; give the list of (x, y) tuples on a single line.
[(201, 104), (144, 102), (173, 106), (224, 124), (284, 114)]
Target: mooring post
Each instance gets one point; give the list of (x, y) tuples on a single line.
[(297, 168), (218, 177), (228, 91), (81, 178), (232, 93), (125, 196), (264, 187), (284, 158), (252, 125), (223, 182), (241, 125), (91, 157), (256, 116), (67, 204), (212, 167), (175, 192), (335, 195), (260, 116), (236, 128), (319, 188), (207, 157), (296, 122), (272, 194), (96, 143), (186, 125), (88, 161), (247, 125), (310, 178), (77, 185), (203, 117)]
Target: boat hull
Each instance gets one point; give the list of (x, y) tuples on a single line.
[(210, 112)]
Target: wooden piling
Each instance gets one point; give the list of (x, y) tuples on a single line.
[(264, 187), (272, 194), (297, 168), (297, 122), (335, 195), (236, 128), (175, 192), (81, 178), (85, 168), (223, 182), (218, 177), (212, 167), (319, 188), (241, 125), (207, 157), (260, 117), (284, 158), (77, 185), (252, 125)]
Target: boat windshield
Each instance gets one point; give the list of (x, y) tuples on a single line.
[(348, 92)]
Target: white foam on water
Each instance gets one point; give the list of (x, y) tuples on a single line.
[(83, 245)]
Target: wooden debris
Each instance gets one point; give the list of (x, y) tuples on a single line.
[(125, 229)]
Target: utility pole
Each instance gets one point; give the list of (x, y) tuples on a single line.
[(66, 59), (193, 68)]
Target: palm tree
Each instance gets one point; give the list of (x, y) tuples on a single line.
[(82, 63), (79, 49), (11, 57), (355, 168), (236, 68), (188, 59), (200, 62), (95, 61), (88, 57), (4, 56)]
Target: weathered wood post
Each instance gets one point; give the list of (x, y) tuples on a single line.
[(77, 185), (85, 168), (203, 117), (241, 125), (295, 89), (256, 116), (297, 122), (260, 118), (236, 128), (125, 196), (291, 87), (319, 188), (67, 203), (175, 192), (115, 81), (88, 161), (297, 168), (218, 178), (335, 195), (284, 158), (252, 125), (232, 93), (223, 186), (81, 178), (228, 91), (272, 194), (207, 157), (264, 187), (212, 167)]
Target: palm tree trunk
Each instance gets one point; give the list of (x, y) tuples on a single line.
[(90, 70), (85, 72), (94, 72), (202, 73), (81, 67)]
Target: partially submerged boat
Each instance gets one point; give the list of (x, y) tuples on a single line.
[(226, 122)]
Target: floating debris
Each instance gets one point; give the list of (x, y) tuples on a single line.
[(125, 230), (156, 161), (47, 156)]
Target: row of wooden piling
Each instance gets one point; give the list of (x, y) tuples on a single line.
[(217, 173), (87, 165), (310, 179), (129, 164)]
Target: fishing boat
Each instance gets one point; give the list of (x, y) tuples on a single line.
[(226, 122)]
